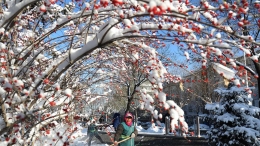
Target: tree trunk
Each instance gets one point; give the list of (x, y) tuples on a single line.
[(128, 105)]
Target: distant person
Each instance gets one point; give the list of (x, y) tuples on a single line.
[(126, 130), (92, 131), (101, 119), (84, 121), (116, 120)]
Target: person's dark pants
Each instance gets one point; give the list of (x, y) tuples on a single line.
[(91, 135)]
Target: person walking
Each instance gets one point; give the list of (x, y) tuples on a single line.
[(101, 119), (84, 122), (92, 131), (116, 120), (126, 130)]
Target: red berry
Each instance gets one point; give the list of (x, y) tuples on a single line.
[(43, 8), (46, 81)]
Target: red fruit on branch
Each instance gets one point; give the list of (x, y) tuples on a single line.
[(76, 117), (46, 81), (226, 5), (104, 3), (53, 1), (160, 26), (7, 89), (242, 10), (48, 131), (117, 2), (240, 24), (52, 103), (43, 8)]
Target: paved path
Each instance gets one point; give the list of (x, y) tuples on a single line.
[(161, 140)]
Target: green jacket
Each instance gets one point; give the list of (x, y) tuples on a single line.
[(92, 128), (123, 132)]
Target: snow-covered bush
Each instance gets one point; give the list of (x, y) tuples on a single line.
[(235, 122)]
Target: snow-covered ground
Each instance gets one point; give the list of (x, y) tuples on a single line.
[(81, 141)]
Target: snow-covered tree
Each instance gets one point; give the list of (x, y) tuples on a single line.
[(235, 122)]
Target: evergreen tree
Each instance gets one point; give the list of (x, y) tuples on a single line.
[(235, 122)]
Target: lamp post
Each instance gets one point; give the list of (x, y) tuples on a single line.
[(246, 70), (249, 95)]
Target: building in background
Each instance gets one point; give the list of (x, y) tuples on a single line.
[(252, 82), (197, 89)]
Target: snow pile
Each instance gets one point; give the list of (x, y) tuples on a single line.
[(155, 129)]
